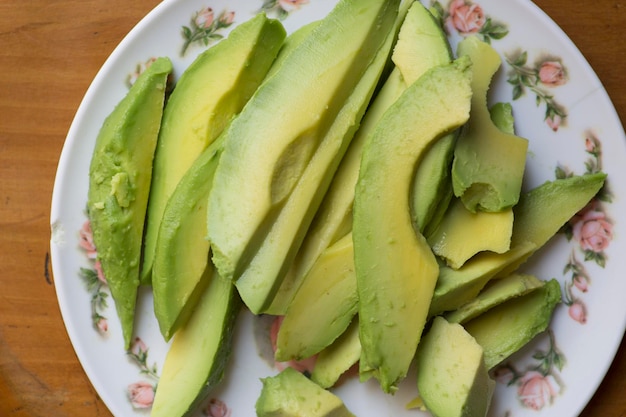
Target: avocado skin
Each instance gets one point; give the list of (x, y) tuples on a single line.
[(119, 183), (213, 89), (395, 268), (291, 394)]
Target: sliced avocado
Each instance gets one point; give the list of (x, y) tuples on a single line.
[(496, 292), (419, 35), (323, 307), (395, 268), (291, 394), (502, 116), (488, 166), (181, 267), (506, 328), (452, 377), (208, 94), (291, 43), (277, 162), (199, 352), (119, 184), (332, 362), (539, 215), (455, 239)]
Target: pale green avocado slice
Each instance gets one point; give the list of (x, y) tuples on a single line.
[(323, 307), (182, 267), (488, 166), (291, 394), (283, 149), (419, 35), (539, 215), (395, 268), (119, 184), (199, 352), (212, 90), (509, 326), (452, 377), (333, 362), (496, 292)]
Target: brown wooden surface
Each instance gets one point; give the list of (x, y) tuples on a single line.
[(49, 53)]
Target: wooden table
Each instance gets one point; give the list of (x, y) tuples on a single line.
[(49, 53)]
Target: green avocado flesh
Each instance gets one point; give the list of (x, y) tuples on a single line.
[(452, 377), (419, 36), (291, 394), (488, 166), (504, 329), (208, 94), (395, 268), (277, 162), (333, 362), (181, 267), (199, 352), (119, 180)]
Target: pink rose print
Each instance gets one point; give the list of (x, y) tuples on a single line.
[(305, 365), (138, 347), (102, 324), (227, 18), (592, 229), (536, 390), (141, 394), (577, 311), (503, 375), (581, 283), (204, 18), (466, 17), (554, 122), (291, 5), (86, 240), (216, 408), (552, 74)]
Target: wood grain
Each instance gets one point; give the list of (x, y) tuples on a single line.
[(50, 52)]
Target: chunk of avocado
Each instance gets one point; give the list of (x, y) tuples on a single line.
[(208, 94), (332, 362), (119, 184), (323, 307), (419, 35), (504, 329), (395, 268), (455, 239), (496, 292), (452, 377), (539, 215), (181, 267), (277, 162), (291, 394), (199, 352), (488, 166)]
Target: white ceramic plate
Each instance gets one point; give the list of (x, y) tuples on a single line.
[(561, 107)]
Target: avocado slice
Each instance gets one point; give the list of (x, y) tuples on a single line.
[(452, 377), (332, 362), (455, 240), (181, 268), (323, 307), (291, 394), (208, 94), (119, 183), (277, 162), (419, 35), (539, 215), (199, 352), (496, 292), (506, 328), (488, 166), (395, 268)]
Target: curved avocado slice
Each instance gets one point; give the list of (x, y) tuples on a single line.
[(119, 183), (181, 267), (290, 393), (396, 269), (213, 89), (419, 36), (452, 376), (488, 166), (332, 362), (199, 352)]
